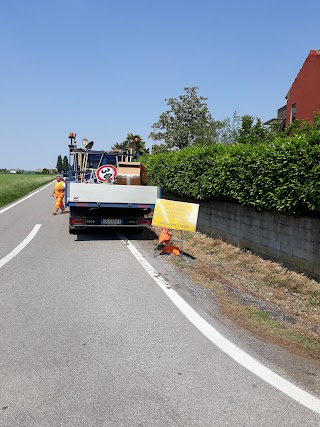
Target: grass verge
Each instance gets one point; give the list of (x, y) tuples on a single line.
[(15, 186), (279, 305)]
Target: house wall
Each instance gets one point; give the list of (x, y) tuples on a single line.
[(305, 91), (282, 112), (295, 242)]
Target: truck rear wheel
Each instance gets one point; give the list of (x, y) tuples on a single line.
[(72, 231)]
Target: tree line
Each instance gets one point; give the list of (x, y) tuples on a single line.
[(188, 122)]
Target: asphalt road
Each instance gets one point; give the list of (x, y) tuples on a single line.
[(88, 338)]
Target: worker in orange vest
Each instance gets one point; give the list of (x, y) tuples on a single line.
[(58, 192)]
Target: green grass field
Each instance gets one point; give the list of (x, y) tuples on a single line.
[(15, 186)]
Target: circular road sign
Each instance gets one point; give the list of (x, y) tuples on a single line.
[(106, 172)]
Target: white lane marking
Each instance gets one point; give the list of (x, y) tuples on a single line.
[(241, 357), (21, 246), (25, 198)]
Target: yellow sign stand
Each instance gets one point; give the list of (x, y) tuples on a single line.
[(175, 215)]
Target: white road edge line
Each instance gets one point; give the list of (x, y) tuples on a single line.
[(27, 197), (240, 356), (21, 246)]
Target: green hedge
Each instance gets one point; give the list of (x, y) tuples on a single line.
[(282, 176)]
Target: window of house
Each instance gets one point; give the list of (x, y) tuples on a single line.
[(293, 112)]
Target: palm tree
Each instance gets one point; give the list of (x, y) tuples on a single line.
[(132, 144)]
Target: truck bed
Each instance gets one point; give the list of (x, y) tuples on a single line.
[(112, 194)]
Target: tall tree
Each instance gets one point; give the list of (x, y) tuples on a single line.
[(159, 148), (59, 164), (252, 131), (187, 122), (228, 131), (65, 164)]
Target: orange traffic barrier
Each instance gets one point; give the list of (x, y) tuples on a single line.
[(165, 236), (171, 249)]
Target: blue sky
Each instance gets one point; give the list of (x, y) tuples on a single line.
[(103, 68)]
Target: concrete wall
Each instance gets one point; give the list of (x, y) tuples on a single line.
[(295, 242)]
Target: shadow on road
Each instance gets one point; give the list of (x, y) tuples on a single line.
[(132, 234)]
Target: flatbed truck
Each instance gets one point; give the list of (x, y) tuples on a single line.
[(107, 189)]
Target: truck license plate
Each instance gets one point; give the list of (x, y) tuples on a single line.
[(111, 221)]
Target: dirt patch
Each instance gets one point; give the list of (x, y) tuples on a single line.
[(279, 305)]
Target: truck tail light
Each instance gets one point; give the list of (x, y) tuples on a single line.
[(146, 221), (77, 221)]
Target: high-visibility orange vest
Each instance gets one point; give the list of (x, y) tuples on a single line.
[(59, 189)]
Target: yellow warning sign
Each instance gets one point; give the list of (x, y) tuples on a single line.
[(175, 215)]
